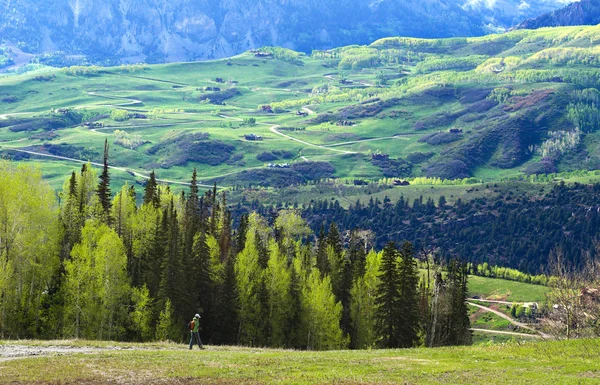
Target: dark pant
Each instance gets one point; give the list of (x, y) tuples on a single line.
[(195, 336)]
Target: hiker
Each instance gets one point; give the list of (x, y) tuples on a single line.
[(194, 327)]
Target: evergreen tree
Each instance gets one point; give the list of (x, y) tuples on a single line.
[(294, 320), (123, 213), (322, 259), (409, 300), (172, 285), (345, 297), (357, 255), (202, 285), (104, 186), (460, 324), (228, 305), (388, 299), (241, 233), (151, 193), (225, 229)]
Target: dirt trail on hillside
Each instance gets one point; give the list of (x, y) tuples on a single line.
[(506, 333), (129, 171), (512, 321)]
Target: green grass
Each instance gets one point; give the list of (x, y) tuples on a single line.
[(565, 362), (500, 289), (180, 86)]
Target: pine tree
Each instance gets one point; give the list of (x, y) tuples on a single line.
[(357, 255), (322, 259), (409, 300), (241, 233), (294, 320), (151, 194), (104, 187), (202, 285), (172, 284), (388, 299), (225, 229), (345, 297), (228, 305), (460, 324)]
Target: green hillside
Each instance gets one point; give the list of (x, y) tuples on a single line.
[(489, 108)]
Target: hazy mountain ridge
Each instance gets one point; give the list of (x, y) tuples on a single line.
[(584, 12), (145, 30)]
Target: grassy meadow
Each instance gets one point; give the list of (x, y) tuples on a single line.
[(399, 97), (555, 362)]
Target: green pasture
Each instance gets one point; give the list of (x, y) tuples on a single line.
[(505, 290), (560, 362)]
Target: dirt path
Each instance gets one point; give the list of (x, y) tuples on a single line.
[(403, 137), (500, 302), (308, 110), (129, 171), (6, 116), (512, 321), (15, 352), (274, 128), (506, 333)]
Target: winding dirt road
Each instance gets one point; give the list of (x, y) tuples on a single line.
[(273, 129), (127, 170), (512, 321)]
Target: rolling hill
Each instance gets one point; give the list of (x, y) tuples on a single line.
[(486, 108)]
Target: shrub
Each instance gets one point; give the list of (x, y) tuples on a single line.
[(119, 115)]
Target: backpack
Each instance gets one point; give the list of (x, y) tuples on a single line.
[(191, 325)]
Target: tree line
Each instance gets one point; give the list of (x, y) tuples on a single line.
[(510, 229), (96, 266)]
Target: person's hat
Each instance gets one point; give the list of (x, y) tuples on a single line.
[(197, 316)]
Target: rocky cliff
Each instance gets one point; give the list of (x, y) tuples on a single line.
[(584, 12), (179, 30)]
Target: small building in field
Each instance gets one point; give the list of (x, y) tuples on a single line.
[(380, 156), (252, 137)]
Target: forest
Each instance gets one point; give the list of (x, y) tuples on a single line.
[(512, 229), (91, 265)]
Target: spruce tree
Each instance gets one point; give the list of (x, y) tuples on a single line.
[(172, 284), (295, 317), (202, 285), (322, 259), (460, 324), (408, 303), (151, 195), (345, 298), (104, 186), (225, 227), (241, 233), (228, 305), (357, 255), (388, 299)]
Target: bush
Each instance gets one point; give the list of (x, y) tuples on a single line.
[(119, 115), (266, 156), (314, 170), (439, 138)]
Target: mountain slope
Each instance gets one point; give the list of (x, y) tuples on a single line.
[(584, 12), (180, 30)]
